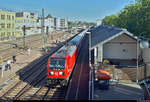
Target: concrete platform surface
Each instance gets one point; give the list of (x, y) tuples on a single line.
[(120, 91)]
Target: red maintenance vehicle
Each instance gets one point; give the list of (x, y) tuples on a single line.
[(103, 78), (61, 63)]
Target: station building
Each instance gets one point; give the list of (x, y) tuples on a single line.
[(114, 43), (60, 24), (124, 55), (120, 49), (7, 25)]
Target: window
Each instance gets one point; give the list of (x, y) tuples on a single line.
[(8, 25), (3, 34), (8, 17), (13, 34), (8, 34), (2, 17), (20, 14), (2, 25), (12, 17), (57, 63)]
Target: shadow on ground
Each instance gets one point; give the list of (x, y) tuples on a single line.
[(118, 92)]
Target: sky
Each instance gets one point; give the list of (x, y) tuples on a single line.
[(73, 10)]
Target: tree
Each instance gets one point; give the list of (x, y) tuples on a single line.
[(111, 20), (134, 17)]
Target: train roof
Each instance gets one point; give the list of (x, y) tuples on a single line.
[(69, 47), (65, 50)]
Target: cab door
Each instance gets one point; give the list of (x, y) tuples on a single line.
[(68, 64)]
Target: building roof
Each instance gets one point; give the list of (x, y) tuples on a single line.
[(104, 33)]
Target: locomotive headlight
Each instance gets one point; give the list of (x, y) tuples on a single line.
[(60, 73), (52, 73)]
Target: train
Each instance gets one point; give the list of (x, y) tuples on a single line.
[(61, 63)]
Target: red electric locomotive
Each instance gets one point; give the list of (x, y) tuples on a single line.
[(61, 63)]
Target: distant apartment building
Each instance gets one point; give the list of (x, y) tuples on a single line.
[(29, 20), (57, 23), (63, 24), (48, 22), (7, 25), (60, 24), (53, 24)]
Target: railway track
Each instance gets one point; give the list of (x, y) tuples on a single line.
[(23, 90), (31, 86), (36, 44), (50, 93), (7, 45), (55, 93), (31, 77)]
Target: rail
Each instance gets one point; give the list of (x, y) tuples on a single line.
[(26, 75), (4, 59)]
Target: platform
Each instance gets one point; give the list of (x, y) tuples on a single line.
[(119, 91)]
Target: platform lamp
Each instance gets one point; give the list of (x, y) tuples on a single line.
[(89, 33), (91, 93)]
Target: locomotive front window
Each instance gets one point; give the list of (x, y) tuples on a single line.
[(57, 63)]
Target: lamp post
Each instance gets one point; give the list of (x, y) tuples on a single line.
[(137, 57), (91, 79), (137, 61), (89, 33)]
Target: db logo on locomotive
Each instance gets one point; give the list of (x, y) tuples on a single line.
[(56, 73)]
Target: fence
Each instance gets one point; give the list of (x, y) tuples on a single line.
[(124, 73), (144, 73)]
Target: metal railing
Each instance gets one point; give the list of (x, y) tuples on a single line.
[(91, 85), (147, 91)]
